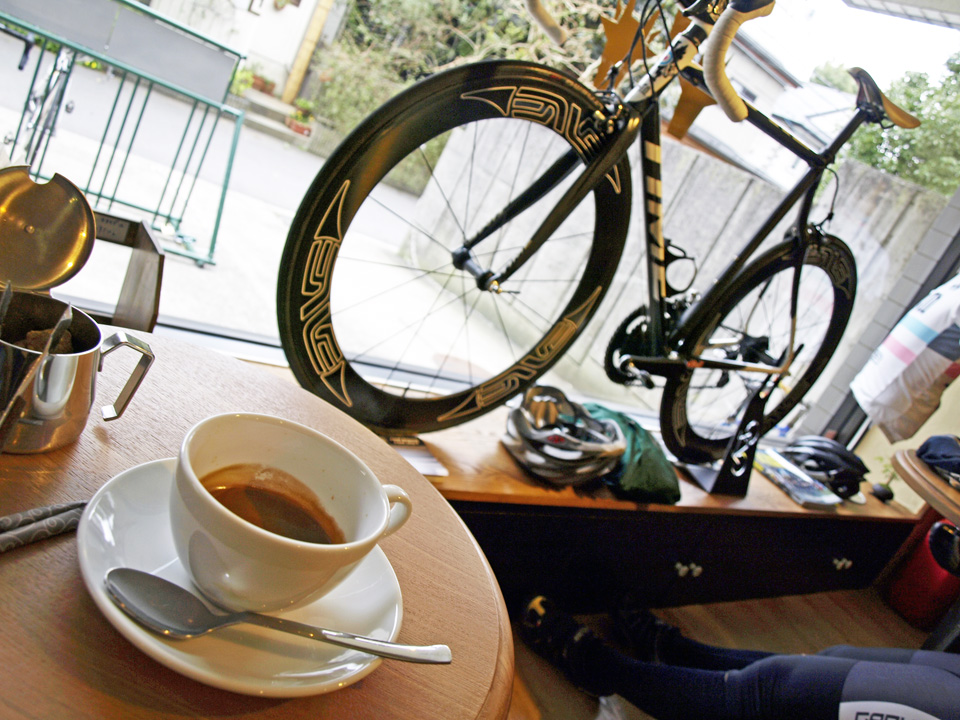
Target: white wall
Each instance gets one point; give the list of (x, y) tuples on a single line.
[(270, 37), (277, 37)]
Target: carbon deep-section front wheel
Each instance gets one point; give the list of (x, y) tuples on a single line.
[(375, 315), (702, 407)]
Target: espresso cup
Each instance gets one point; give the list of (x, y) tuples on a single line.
[(236, 562)]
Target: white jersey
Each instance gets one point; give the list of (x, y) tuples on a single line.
[(901, 384)]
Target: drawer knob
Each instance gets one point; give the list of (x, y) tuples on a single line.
[(693, 570)]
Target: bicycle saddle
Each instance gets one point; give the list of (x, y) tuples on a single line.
[(877, 105), (829, 462)]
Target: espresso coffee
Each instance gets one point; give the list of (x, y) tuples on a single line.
[(273, 500)]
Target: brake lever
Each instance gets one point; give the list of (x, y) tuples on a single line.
[(698, 7)]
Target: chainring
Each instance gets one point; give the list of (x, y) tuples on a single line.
[(630, 338)]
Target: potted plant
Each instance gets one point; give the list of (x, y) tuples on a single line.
[(242, 81), (302, 117), (260, 82)]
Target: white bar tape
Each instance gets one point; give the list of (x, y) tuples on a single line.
[(715, 55), (546, 21)]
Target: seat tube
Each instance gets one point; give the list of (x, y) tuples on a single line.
[(652, 194)]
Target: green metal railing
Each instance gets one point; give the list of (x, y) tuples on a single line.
[(109, 181)]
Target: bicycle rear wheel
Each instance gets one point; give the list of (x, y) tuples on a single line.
[(701, 409), (46, 104), (374, 316)]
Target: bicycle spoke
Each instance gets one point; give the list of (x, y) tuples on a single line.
[(513, 183), (409, 223), (368, 351), (469, 193), (446, 200)]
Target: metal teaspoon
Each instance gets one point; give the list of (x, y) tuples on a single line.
[(170, 610)]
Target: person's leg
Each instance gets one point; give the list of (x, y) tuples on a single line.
[(657, 641), (930, 658), (831, 686), (815, 687), (897, 690), (772, 688), (665, 692)]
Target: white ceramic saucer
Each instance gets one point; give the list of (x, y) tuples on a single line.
[(126, 524)]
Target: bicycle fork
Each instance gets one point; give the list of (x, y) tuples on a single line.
[(620, 131)]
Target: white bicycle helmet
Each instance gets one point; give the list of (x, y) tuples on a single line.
[(558, 441)]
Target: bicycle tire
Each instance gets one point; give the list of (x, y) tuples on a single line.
[(39, 134), (701, 408), (373, 365), (42, 124)]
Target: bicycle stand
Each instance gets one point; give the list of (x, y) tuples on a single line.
[(734, 474)]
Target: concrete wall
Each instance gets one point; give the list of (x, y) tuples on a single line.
[(712, 208), (905, 267)]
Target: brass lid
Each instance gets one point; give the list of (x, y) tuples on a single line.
[(46, 230)]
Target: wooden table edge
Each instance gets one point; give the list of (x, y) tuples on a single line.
[(930, 486), (501, 686)]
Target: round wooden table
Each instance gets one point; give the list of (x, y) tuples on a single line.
[(61, 658), (927, 484)]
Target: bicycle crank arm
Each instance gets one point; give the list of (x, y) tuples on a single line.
[(646, 365)]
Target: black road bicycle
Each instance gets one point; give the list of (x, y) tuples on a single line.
[(416, 312), (45, 99)]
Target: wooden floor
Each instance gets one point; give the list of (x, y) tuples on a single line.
[(798, 624)]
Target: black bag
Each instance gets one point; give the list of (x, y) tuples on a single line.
[(942, 453)]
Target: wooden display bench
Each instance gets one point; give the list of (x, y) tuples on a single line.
[(585, 546)]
